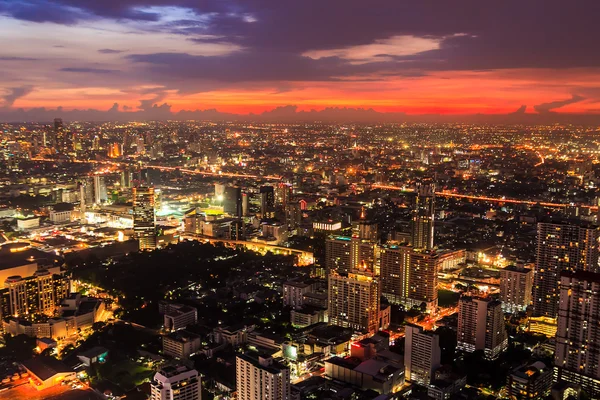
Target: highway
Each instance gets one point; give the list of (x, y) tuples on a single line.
[(447, 193)]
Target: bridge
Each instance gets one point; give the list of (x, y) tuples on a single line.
[(304, 258)]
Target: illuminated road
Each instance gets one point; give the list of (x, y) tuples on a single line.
[(166, 168), (304, 257), (486, 198)]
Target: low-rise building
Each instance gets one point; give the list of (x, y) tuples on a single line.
[(181, 344), (532, 381)]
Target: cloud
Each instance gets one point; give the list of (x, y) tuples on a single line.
[(545, 108), (14, 94), (288, 114), (148, 104), (110, 51), (6, 58), (85, 70)]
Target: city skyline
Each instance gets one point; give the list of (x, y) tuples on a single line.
[(261, 60)]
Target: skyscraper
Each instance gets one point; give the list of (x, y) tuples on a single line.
[(176, 383), (144, 225), (259, 377), (267, 201), (423, 215), (577, 355), (232, 201), (100, 194), (354, 300), (561, 247), (481, 326), (422, 355)]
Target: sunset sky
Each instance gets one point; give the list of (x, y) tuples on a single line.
[(242, 56)]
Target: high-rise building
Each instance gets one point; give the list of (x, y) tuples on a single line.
[(144, 225), (409, 276), (345, 254), (561, 247), (267, 201), (40, 293), (245, 204), (577, 355), (260, 377), (354, 300), (293, 216), (516, 287), (232, 201), (481, 326), (86, 196), (100, 194), (422, 355), (423, 216), (126, 178), (283, 194), (176, 383)]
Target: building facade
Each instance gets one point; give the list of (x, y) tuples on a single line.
[(354, 300), (516, 288), (144, 219), (577, 355), (561, 247), (261, 378)]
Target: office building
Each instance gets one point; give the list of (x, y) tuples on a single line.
[(144, 225), (481, 326), (409, 276), (267, 202), (179, 317), (181, 344), (100, 195), (423, 216), (354, 300), (232, 201), (126, 178), (260, 377), (516, 288), (176, 383), (86, 196), (532, 381), (422, 355), (561, 247), (577, 355)]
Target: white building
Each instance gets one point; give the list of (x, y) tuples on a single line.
[(294, 292), (59, 217), (261, 378), (422, 355), (176, 383)]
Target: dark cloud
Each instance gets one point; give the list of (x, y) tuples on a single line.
[(14, 94), (148, 104), (85, 70), (553, 105), (287, 113), (110, 51), (17, 59)]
